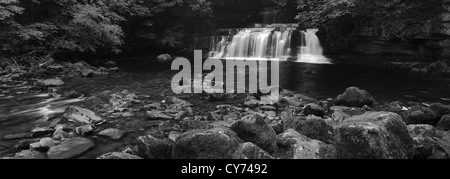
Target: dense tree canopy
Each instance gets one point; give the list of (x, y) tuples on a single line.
[(31, 26)]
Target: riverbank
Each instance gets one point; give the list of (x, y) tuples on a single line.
[(127, 115)]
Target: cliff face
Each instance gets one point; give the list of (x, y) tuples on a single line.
[(432, 42)]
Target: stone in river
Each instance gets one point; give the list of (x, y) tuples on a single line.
[(354, 97), (218, 143), (16, 136), (150, 147), (42, 131), (374, 135), (250, 151), (81, 115), (118, 155), (29, 154), (253, 128), (158, 115), (115, 134), (70, 148), (50, 82), (444, 123), (314, 109)]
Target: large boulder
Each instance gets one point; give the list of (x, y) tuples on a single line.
[(354, 97), (119, 156), (217, 143), (312, 127), (419, 115), (253, 128), (249, 150), (314, 109), (70, 148), (373, 135), (293, 145), (82, 116), (150, 147), (423, 136)]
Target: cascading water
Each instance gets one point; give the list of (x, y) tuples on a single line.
[(272, 42)]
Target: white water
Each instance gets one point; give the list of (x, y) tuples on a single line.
[(270, 43)]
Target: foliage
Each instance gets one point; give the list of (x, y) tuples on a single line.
[(44, 26)]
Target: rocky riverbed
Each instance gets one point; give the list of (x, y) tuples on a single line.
[(127, 122)]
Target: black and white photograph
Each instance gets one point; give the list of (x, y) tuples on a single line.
[(224, 80)]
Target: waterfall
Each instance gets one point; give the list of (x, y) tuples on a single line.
[(272, 42)]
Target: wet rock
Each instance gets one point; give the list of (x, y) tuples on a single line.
[(50, 83), (48, 142), (215, 143), (314, 109), (267, 108), (127, 114), (231, 116), (110, 64), (112, 133), (373, 135), (214, 97), (424, 143), (188, 125), (42, 131), (304, 98), (82, 116), (124, 99), (28, 154), (57, 121), (173, 135), (249, 150), (271, 99), (312, 127), (72, 94), (150, 147), (293, 145), (118, 156), (70, 148), (176, 103), (354, 97), (253, 128), (440, 109), (419, 115), (277, 127), (251, 102), (84, 130), (154, 106), (25, 144), (164, 58), (294, 101), (444, 123), (87, 72), (438, 67), (339, 113), (16, 136), (158, 115)]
